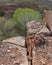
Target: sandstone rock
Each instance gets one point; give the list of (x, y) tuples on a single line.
[(34, 26), (44, 30), (50, 64), (12, 54), (19, 40)]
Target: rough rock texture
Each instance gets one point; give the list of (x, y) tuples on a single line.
[(43, 55), (19, 40), (34, 26), (11, 54), (44, 30)]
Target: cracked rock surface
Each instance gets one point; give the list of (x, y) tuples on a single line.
[(13, 54), (19, 40)]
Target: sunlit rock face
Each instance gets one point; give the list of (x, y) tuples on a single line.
[(34, 26), (19, 40)]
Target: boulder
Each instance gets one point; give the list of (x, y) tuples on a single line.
[(19, 40), (34, 26)]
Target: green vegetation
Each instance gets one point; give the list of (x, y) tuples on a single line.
[(6, 28), (14, 24), (44, 7), (22, 16)]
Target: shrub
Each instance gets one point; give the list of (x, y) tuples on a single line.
[(2, 13), (22, 16), (7, 28), (2, 38), (44, 7)]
